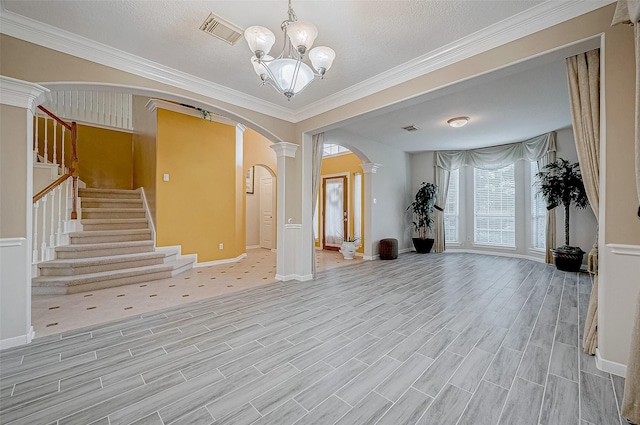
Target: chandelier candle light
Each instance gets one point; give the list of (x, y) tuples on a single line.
[(287, 73)]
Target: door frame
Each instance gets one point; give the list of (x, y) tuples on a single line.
[(321, 200), (273, 203)]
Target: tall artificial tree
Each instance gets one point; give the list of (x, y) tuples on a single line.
[(560, 183)]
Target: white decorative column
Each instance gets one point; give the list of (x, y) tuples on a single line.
[(18, 100), (288, 230), (369, 169)]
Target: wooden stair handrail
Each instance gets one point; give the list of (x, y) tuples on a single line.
[(51, 186), (73, 170), (60, 121)]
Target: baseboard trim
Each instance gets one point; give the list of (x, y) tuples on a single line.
[(301, 278), (404, 250), (609, 366), (253, 246), (496, 253), (218, 262), (17, 341), (371, 257)]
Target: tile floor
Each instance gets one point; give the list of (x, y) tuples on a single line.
[(425, 339), (53, 314)]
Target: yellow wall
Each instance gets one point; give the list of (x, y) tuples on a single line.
[(105, 156), (257, 151), (340, 164), (197, 207)]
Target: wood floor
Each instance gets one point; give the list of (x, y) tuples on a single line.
[(424, 339)]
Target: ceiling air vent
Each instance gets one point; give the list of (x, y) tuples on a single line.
[(410, 128), (219, 28)]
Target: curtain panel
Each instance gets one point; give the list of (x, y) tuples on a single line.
[(628, 12), (550, 229), (495, 157), (491, 158), (317, 146)]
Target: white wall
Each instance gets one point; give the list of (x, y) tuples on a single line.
[(583, 226), (389, 187)]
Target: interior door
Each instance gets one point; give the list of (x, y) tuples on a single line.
[(334, 211), (266, 212)]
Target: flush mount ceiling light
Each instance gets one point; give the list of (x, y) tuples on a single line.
[(287, 73), (458, 122)]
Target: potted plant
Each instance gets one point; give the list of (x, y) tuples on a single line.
[(560, 183), (348, 248), (422, 209)]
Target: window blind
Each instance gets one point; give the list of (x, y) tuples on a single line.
[(494, 206)]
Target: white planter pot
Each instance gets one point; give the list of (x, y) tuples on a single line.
[(348, 250)]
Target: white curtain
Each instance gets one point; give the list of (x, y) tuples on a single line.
[(583, 77), (491, 158), (442, 181), (317, 145), (628, 12), (550, 229), (495, 157)]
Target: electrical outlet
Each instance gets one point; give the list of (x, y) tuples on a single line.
[(221, 246)]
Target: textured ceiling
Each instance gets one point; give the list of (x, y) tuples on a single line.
[(369, 37)]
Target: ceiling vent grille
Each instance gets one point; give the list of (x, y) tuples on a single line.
[(219, 28), (410, 128)]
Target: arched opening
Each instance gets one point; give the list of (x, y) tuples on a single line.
[(210, 276)]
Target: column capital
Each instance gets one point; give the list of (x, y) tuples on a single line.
[(285, 149), (370, 167), (22, 94)]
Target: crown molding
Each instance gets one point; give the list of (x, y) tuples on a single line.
[(285, 149), (21, 94), (154, 104), (535, 19), (370, 167), (48, 36), (538, 18)]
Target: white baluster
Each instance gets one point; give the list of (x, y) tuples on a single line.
[(46, 140), (35, 232), (52, 227), (59, 231), (66, 206), (43, 245), (55, 142), (37, 141), (63, 167)]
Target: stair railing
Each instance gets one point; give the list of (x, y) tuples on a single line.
[(50, 218)]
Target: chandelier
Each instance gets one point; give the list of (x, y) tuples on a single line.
[(287, 73)]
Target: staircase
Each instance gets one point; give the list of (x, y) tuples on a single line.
[(115, 248)]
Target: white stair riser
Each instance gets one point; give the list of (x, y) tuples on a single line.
[(85, 239), (111, 214), (101, 204), (92, 193), (75, 270), (43, 289), (114, 226), (70, 255)]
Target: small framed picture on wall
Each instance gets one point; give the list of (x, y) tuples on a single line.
[(249, 180)]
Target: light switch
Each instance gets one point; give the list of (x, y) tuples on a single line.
[(165, 177), (375, 201)]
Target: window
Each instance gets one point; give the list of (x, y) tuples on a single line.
[(451, 208), (333, 149), (494, 206), (538, 213)]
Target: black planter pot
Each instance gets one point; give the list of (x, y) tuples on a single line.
[(423, 246), (567, 261)]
